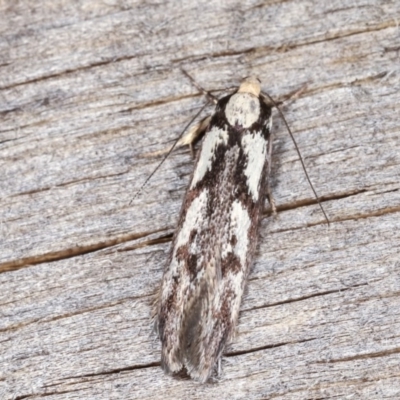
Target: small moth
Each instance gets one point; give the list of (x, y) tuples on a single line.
[(216, 238)]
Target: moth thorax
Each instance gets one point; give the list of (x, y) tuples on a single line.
[(243, 109)]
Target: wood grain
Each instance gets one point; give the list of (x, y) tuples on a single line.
[(87, 88)]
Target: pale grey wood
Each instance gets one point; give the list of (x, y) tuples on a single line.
[(86, 89)]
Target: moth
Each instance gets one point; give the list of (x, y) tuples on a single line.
[(213, 246)]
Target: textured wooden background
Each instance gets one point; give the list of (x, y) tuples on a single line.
[(87, 87)]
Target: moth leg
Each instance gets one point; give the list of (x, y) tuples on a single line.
[(287, 98), (271, 200), (293, 95), (193, 134), (207, 94), (219, 368)]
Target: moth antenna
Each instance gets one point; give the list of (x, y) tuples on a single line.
[(168, 153), (298, 152)]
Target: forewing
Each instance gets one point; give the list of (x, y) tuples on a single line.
[(213, 246)]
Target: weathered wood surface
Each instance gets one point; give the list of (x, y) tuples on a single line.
[(87, 87)]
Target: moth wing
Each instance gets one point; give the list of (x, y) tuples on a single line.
[(213, 246)]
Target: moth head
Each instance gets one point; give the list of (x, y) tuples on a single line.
[(251, 85)]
